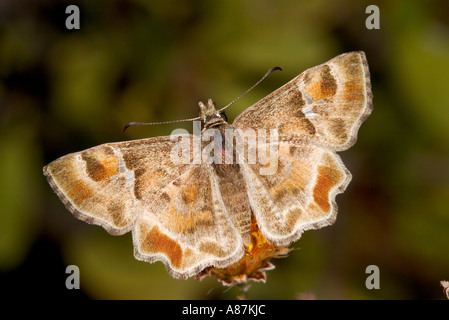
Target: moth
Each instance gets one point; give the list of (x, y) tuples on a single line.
[(195, 215)]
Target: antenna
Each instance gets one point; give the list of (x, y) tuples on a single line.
[(261, 79), (152, 123), (198, 118)]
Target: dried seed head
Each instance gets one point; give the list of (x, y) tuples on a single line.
[(252, 265)]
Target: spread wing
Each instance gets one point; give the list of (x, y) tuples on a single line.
[(175, 210), (324, 105), (315, 114)]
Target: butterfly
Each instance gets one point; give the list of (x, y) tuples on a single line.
[(196, 214)]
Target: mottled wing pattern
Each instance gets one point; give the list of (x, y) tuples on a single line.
[(324, 105), (301, 195), (317, 113), (187, 225), (194, 215), (176, 212), (84, 180)]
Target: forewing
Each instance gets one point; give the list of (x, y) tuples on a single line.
[(102, 185), (325, 105)]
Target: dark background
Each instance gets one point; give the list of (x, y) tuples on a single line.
[(65, 90)]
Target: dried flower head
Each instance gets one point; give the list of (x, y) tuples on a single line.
[(252, 265)]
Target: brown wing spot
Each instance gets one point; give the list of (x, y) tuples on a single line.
[(178, 222), (328, 83), (298, 125), (132, 160), (298, 120), (308, 126), (280, 194), (327, 178), (291, 186), (295, 99), (139, 182), (353, 91), (323, 84), (189, 194), (100, 166), (157, 242), (306, 77), (292, 150), (79, 192), (165, 197), (188, 223), (188, 253), (212, 248)]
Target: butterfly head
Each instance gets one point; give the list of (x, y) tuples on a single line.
[(210, 115)]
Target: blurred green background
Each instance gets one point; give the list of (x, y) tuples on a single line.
[(66, 90)]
